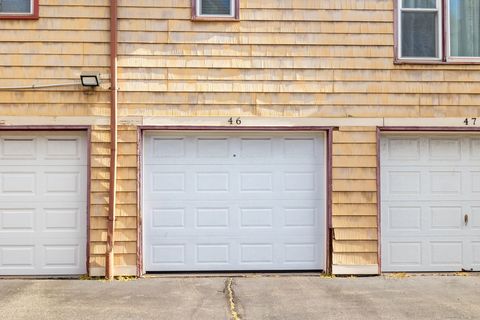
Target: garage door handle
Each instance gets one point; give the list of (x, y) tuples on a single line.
[(465, 218)]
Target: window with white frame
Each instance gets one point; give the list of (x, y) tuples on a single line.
[(223, 9), (16, 7), (442, 30)]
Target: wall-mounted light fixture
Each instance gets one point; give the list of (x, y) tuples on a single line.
[(90, 79)]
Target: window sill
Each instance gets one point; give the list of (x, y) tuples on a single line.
[(219, 19), (19, 17), (434, 62)]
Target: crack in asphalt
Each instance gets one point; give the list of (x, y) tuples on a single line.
[(230, 295)]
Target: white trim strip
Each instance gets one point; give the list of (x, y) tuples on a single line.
[(355, 269)]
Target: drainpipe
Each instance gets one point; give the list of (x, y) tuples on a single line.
[(109, 264)]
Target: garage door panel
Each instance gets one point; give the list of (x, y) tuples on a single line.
[(245, 234), (430, 151), (236, 159), (66, 182), (27, 237), (49, 162), (43, 182), (17, 219), (12, 147), (444, 148), (475, 236), (445, 182), (230, 149), (18, 183), (432, 185), (410, 254), (427, 189), (17, 256), (403, 253), (474, 149), (255, 196), (64, 148), (45, 150), (224, 202), (45, 198), (63, 219), (447, 253), (58, 216), (475, 181), (61, 256), (212, 218), (475, 218), (41, 259), (258, 217), (205, 253), (401, 183), (213, 147), (423, 219), (215, 181), (62, 259), (401, 149), (257, 147), (61, 182), (297, 253), (402, 219), (252, 181), (476, 255), (446, 218), (32, 239), (257, 253)]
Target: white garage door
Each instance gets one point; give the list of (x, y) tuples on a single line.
[(430, 202), (42, 203), (234, 201)]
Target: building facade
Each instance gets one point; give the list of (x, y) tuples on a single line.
[(331, 135)]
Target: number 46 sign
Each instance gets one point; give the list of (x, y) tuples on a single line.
[(237, 121)]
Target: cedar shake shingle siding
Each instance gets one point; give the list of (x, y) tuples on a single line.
[(303, 62)]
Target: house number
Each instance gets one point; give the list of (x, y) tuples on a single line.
[(470, 121), (237, 121)]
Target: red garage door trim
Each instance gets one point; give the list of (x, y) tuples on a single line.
[(329, 141)]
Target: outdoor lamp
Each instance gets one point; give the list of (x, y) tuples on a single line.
[(90, 79)]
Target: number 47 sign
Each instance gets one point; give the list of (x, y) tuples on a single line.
[(470, 121)]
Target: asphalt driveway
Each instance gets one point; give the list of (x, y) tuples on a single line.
[(247, 297)]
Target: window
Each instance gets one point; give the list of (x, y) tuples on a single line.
[(215, 9), (18, 9), (439, 30), (464, 28)]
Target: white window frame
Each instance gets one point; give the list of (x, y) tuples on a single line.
[(199, 9), (449, 56), (439, 12), (32, 11), (443, 35)]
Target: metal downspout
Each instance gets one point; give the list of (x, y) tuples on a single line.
[(109, 263)]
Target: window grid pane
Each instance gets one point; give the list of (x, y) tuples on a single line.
[(464, 28), (419, 32), (215, 7), (15, 6), (419, 4)]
